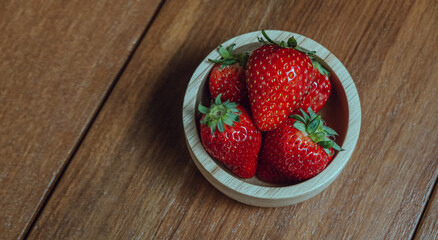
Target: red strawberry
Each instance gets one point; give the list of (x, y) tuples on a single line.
[(278, 77), (237, 141), (297, 150), (228, 76), (318, 93), (268, 173)]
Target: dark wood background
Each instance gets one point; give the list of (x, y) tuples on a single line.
[(91, 139)]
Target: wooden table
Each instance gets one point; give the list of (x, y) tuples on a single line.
[(91, 139)]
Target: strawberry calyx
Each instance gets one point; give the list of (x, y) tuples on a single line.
[(219, 114), (292, 43), (228, 58), (317, 65), (315, 127)]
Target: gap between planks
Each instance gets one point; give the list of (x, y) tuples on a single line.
[(426, 204)]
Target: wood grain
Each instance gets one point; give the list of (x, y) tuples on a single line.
[(428, 227), (133, 177), (58, 59)]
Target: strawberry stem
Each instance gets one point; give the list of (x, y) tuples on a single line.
[(268, 38)]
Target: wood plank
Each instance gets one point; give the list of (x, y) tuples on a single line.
[(58, 60), (428, 228), (133, 177)]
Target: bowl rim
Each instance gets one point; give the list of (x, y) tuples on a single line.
[(255, 194)]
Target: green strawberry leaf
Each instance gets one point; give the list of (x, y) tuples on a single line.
[(224, 52), (234, 110), (312, 126), (212, 127), (337, 147), (321, 125), (306, 117), (228, 58), (298, 117), (228, 121), (228, 62), (317, 137), (312, 114), (300, 126), (229, 104), (218, 101), (233, 117), (326, 144), (329, 131), (230, 49), (220, 125), (203, 109), (317, 65)]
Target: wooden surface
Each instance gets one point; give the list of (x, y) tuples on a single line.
[(132, 176), (343, 109), (58, 60), (428, 227)]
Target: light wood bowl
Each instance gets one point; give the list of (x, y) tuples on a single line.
[(342, 112)]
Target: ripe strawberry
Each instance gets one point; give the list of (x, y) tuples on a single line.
[(318, 94), (228, 76), (237, 141), (268, 173), (278, 77), (297, 150)]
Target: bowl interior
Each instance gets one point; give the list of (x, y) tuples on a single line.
[(335, 111)]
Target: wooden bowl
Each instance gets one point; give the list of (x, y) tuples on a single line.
[(342, 112)]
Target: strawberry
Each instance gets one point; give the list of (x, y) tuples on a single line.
[(229, 135), (268, 173), (297, 150), (317, 95), (278, 77), (228, 76)]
